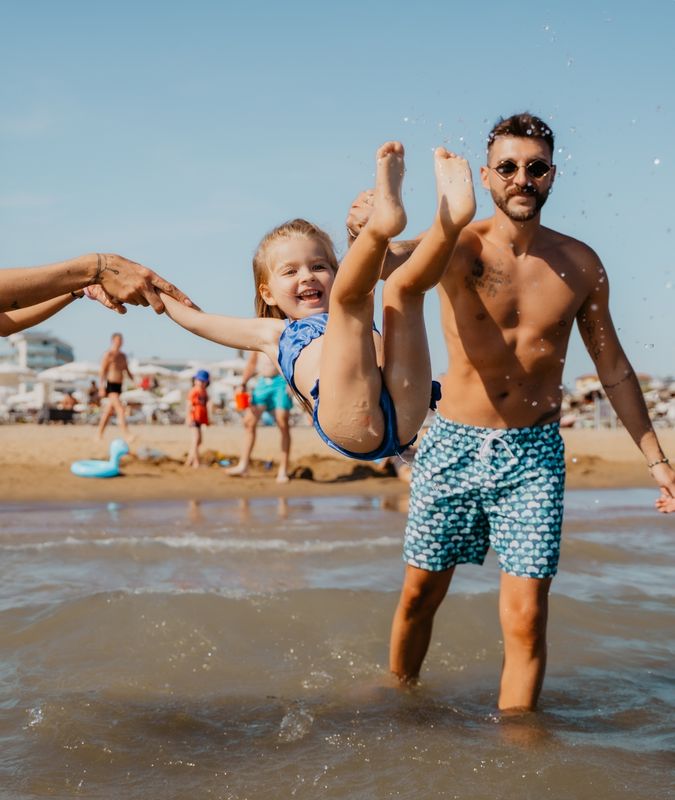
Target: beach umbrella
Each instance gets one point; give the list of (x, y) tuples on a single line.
[(13, 374), (140, 397), (154, 370), (172, 397), (70, 372)]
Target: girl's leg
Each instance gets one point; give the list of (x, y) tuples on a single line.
[(407, 367), (350, 381)]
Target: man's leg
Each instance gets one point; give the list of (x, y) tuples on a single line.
[(422, 594), (282, 419), (523, 612), (251, 418), (106, 413), (116, 403)]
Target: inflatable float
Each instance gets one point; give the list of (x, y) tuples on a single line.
[(93, 468)]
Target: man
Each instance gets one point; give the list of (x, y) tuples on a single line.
[(110, 378), (270, 394), (30, 295), (490, 471)]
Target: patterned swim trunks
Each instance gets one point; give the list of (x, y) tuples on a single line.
[(473, 488)]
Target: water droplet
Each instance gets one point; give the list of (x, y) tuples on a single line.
[(574, 460), (534, 403), (669, 285), (406, 119), (657, 161), (649, 347)]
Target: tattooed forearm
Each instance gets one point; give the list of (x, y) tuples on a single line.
[(625, 378), (592, 338), (103, 266)]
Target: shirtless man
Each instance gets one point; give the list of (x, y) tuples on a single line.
[(270, 394), (110, 378), (490, 471), (30, 295)]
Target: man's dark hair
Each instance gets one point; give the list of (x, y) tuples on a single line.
[(522, 125)]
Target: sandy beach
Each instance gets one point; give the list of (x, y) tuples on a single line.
[(35, 465)]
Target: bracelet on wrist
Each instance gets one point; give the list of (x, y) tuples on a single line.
[(663, 460)]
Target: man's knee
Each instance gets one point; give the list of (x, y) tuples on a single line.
[(525, 619), (421, 597)]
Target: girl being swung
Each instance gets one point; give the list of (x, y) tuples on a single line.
[(369, 394)]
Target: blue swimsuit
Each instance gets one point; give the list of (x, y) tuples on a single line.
[(295, 337)]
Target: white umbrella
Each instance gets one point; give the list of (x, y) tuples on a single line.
[(233, 364), (67, 373), (172, 397), (151, 369), (12, 374), (139, 396)]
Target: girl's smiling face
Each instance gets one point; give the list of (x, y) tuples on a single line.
[(299, 278)]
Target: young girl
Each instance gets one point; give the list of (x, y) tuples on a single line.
[(374, 390), (197, 414)]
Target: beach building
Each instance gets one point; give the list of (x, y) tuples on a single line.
[(39, 350)]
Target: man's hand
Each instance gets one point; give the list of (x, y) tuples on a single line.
[(664, 475), (360, 212), (665, 504), (125, 281)]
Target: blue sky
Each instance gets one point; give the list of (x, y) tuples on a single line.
[(177, 134)]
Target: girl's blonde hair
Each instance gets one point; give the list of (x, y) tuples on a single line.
[(295, 227)]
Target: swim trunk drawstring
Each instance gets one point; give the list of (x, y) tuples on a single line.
[(487, 448)]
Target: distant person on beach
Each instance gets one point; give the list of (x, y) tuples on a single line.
[(197, 414), (270, 394), (316, 322), (490, 472), (111, 377), (31, 295)]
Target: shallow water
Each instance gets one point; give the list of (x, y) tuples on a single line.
[(238, 650)]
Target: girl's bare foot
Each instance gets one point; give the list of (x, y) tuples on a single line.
[(388, 218), (456, 201), (282, 477)]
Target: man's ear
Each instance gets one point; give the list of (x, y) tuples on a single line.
[(484, 176)]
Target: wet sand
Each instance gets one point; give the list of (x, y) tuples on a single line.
[(35, 465)]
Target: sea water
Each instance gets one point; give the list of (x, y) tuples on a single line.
[(238, 650)]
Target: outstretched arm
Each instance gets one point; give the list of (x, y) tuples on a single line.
[(619, 380), (122, 280), (240, 333)]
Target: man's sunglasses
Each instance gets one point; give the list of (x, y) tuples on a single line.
[(535, 169)]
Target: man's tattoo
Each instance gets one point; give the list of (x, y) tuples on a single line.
[(607, 386), (486, 278), (101, 267), (594, 346)]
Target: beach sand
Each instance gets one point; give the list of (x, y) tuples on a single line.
[(35, 465)]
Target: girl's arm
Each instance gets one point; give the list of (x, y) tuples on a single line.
[(254, 333)]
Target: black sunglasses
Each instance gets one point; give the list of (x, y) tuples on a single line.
[(535, 169)]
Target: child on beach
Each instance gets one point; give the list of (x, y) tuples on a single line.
[(197, 414), (374, 389)]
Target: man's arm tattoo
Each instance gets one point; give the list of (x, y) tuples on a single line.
[(625, 378)]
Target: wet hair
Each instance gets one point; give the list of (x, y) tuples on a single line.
[(261, 267), (523, 125)]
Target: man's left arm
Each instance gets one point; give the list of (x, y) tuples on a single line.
[(619, 380)]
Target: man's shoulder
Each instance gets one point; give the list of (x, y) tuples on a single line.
[(574, 248)]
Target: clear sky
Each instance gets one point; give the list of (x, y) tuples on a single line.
[(178, 133)]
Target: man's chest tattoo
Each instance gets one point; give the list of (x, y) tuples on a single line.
[(486, 278)]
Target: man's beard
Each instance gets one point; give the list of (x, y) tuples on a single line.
[(501, 201)]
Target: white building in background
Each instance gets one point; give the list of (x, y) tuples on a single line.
[(40, 350)]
